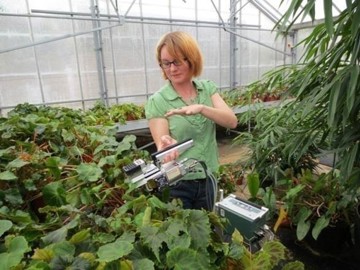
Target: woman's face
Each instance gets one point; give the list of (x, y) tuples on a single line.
[(178, 72)]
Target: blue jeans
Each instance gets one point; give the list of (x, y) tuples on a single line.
[(194, 194)]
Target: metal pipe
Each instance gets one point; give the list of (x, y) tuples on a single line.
[(232, 32), (239, 10), (132, 19), (128, 10), (258, 42), (125, 17), (121, 18), (99, 53), (113, 57), (144, 52), (77, 61), (264, 10), (272, 7), (220, 49), (233, 47), (36, 58)]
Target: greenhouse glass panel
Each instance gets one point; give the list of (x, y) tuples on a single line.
[(11, 6), (102, 49)]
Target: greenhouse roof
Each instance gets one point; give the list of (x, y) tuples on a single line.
[(200, 10)]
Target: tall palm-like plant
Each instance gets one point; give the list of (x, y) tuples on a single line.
[(326, 112), (327, 85)]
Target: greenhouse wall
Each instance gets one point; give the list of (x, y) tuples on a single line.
[(76, 53)]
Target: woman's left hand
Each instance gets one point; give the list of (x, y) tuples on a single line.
[(187, 110)]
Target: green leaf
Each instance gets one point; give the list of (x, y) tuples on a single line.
[(19, 216), (356, 22), (152, 237), (303, 225), (177, 235), (64, 249), (7, 151), (351, 158), (123, 147), (45, 254), (61, 262), (81, 263), (85, 196), (108, 160), (80, 236), (320, 224), (276, 250), (295, 265), (143, 264), (53, 163), (60, 234), (67, 135), (73, 197), (18, 245), (253, 182), (89, 172), (7, 176), (155, 202), (147, 216), (129, 138), (328, 17), (351, 93), (182, 240), (114, 251), (236, 250), (16, 163), (54, 194), (39, 265), (5, 225), (182, 259), (293, 192), (103, 238), (56, 236), (9, 260), (199, 228), (128, 236), (334, 96), (261, 260), (13, 196)]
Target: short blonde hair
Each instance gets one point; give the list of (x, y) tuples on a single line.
[(181, 45)]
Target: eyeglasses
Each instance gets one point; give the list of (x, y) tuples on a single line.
[(167, 64)]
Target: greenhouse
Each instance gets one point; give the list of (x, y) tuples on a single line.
[(179, 134)]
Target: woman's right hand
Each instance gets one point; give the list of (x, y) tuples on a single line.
[(166, 141)]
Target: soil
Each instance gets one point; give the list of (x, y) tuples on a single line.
[(317, 256)]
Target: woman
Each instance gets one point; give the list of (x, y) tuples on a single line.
[(186, 108)]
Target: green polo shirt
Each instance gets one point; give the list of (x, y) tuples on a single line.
[(183, 127)]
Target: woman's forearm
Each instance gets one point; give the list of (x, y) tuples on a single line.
[(221, 116)]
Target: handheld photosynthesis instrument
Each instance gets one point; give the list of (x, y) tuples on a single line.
[(155, 176)]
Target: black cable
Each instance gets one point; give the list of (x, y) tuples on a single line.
[(210, 202)]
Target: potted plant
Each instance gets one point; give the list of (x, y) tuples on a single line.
[(319, 208)]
